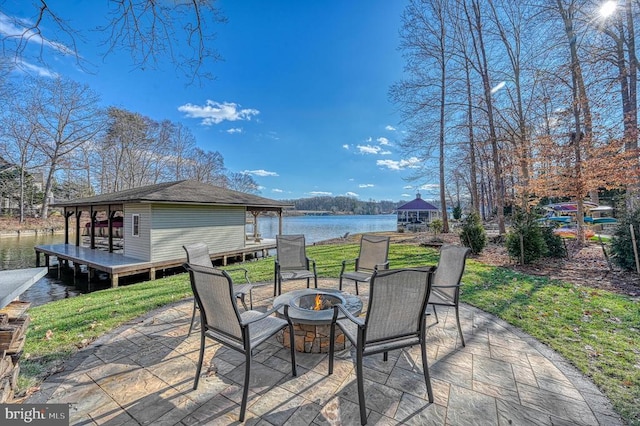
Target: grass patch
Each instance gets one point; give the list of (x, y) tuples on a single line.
[(595, 330)]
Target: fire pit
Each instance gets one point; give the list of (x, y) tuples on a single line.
[(317, 301), (311, 311)]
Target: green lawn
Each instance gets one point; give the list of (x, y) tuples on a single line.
[(594, 329)]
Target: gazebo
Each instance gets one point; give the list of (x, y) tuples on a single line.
[(417, 213)]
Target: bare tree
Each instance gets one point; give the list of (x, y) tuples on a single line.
[(475, 22), (207, 167), (18, 139), (150, 30), (67, 117), (242, 182), (425, 47)]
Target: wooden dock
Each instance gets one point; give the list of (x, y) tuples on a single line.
[(117, 265)]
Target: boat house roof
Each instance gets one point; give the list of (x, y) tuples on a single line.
[(179, 192), (418, 204)]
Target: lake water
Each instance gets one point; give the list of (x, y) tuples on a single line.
[(18, 252)]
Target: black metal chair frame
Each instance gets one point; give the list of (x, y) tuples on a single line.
[(443, 300), (363, 273), (244, 345), (240, 290), (302, 271), (383, 345)]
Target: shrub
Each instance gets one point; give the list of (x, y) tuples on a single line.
[(621, 243), (533, 242), (436, 226), (554, 243), (473, 234), (457, 212)]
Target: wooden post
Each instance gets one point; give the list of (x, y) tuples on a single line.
[(635, 247), (521, 249)]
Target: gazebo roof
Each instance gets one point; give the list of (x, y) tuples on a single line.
[(418, 204), (179, 192)]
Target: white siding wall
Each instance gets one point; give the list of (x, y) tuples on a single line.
[(221, 228), (137, 247)]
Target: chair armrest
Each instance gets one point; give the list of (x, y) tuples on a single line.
[(447, 286), (344, 264), (313, 263), (349, 315), (263, 316), (384, 265), (245, 270)]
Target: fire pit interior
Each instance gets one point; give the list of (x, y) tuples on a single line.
[(317, 302)]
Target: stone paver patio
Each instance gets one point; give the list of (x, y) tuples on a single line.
[(143, 373)]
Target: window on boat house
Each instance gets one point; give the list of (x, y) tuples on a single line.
[(135, 225)]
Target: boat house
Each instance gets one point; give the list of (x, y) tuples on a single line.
[(417, 214), (143, 229)]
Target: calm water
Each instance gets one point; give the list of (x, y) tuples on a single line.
[(18, 252), (318, 228)]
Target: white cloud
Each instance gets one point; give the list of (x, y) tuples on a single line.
[(390, 128), (345, 146), (430, 187), (498, 87), (351, 194), (383, 141), (234, 130), (411, 163), (319, 193), (366, 185), (42, 72), (369, 149), (260, 173), (406, 195), (276, 190), (9, 29), (216, 112), (385, 153)]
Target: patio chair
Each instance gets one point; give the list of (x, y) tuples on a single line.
[(292, 262), (395, 319), (222, 321), (445, 290), (198, 254), (374, 251)]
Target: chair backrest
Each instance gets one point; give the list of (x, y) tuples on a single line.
[(397, 302), (213, 290), (198, 254), (374, 250), (450, 269), (291, 251)]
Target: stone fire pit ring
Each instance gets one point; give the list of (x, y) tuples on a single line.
[(311, 327)]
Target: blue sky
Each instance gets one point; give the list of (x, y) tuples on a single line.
[(300, 100)]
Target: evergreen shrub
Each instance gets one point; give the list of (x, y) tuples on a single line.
[(533, 241), (621, 242), (473, 234), (554, 243)]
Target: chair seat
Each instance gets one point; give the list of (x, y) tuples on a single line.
[(350, 330), (258, 331), (438, 298), (242, 288), (297, 274), (358, 276), (261, 330)]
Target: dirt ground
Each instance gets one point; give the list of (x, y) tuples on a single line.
[(585, 266)]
